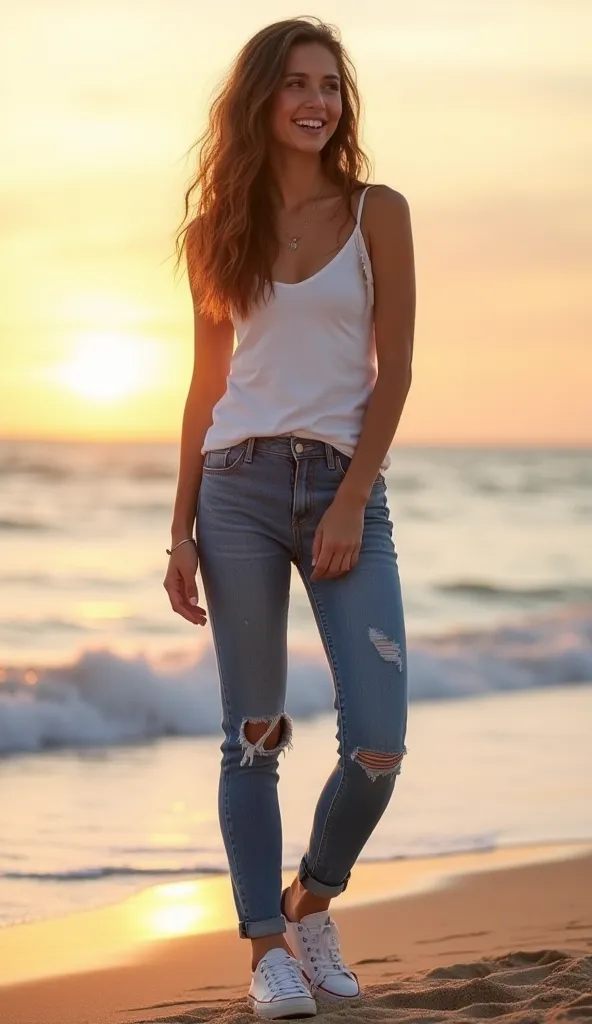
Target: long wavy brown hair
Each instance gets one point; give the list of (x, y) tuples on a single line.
[(230, 236)]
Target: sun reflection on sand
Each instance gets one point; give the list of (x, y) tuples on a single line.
[(192, 907), (184, 908), (116, 933), (177, 910)]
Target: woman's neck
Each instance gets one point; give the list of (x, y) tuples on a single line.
[(299, 177)]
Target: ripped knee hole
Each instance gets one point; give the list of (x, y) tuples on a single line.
[(265, 737), (376, 764)]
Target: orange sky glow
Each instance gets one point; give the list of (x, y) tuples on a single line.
[(478, 113)]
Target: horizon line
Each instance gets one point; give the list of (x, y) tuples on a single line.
[(408, 443)]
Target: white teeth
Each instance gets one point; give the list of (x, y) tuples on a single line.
[(309, 124)]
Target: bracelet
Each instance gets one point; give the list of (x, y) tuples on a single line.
[(188, 540)]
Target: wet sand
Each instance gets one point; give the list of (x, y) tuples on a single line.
[(492, 935)]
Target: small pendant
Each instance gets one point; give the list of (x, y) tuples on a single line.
[(293, 243)]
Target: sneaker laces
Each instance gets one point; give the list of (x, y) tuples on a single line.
[(323, 941), (284, 977)]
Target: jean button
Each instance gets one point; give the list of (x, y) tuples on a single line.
[(299, 448)]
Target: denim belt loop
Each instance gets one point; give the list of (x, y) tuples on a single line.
[(249, 451), (329, 455)]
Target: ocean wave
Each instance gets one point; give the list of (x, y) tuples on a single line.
[(151, 471), (8, 523), (93, 874), (58, 461), (65, 581), (23, 627), (426, 846), (104, 699), (568, 593), (16, 465)]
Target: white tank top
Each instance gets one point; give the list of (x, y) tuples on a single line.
[(305, 361)]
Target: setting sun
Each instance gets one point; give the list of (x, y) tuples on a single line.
[(105, 367)]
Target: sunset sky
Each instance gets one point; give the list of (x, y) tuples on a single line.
[(479, 112)]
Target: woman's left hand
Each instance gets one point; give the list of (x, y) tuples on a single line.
[(337, 541)]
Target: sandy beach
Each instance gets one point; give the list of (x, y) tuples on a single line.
[(506, 934)]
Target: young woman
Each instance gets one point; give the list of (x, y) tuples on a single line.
[(283, 445)]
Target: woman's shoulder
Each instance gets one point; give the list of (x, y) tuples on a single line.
[(385, 212), (383, 197), (386, 221)]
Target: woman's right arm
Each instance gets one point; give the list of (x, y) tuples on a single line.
[(213, 343)]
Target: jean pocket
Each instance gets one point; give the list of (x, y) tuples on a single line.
[(223, 460), (343, 462)]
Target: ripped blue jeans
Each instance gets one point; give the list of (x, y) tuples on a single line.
[(259, 505)]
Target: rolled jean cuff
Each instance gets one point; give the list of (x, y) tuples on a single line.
[(319, 888), (258, 929)]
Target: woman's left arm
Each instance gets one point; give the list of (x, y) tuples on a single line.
[(390, 242), (391, 252)]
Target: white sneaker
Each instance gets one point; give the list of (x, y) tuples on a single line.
[(278, 988), (315, 940)]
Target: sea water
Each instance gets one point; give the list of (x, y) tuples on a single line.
[(109, 709)]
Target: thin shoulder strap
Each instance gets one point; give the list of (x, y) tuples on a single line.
[(361, 205)]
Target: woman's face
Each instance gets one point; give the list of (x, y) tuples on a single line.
[(307, 107)]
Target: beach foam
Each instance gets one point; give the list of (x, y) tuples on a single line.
[(104, 699)]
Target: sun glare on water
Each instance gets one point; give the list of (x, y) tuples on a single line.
[(105, 367)]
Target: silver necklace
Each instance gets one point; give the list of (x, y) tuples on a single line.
[(295, 239)]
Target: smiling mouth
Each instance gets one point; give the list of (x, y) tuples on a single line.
[(312, 125)]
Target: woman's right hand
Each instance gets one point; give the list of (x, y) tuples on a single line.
[(180, 584)]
